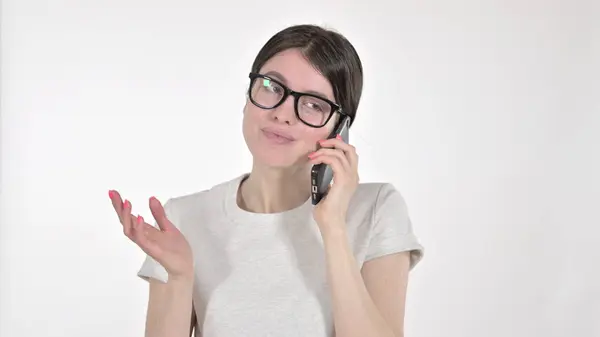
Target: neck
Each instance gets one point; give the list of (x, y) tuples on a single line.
[(274, 190)]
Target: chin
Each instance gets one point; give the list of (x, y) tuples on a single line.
[(276, 159), (272, 154), (275, 156)]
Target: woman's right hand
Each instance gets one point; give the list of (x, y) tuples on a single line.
[(165, 244)]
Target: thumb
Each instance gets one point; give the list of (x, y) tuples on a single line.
[(158, 212)]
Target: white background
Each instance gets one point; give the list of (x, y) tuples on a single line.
[(485, 114)]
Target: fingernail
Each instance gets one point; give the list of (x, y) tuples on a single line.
[(322, 140), (338, 137), (311, 155), (111, 193), (140, 219), (126, 203)]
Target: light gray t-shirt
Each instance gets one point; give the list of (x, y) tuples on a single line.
[(265, 274)]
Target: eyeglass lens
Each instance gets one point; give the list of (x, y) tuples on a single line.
[(310, 109)]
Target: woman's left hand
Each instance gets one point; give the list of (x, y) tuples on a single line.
[(330, 212)]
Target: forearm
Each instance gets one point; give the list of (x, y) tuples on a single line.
[(354, 312), (170, 309)]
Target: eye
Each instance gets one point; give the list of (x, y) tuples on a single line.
[(314, 106), (270, 86)]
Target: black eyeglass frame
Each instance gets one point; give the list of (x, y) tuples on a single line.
[(289, 92)]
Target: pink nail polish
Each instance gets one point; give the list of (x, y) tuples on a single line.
[(126, 204), (111, 193), (338, 137), (140, 220)]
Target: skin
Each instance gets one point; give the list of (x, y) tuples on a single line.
[(367, 301), (278, 180)]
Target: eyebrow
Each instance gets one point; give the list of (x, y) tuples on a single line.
[(281, 78)]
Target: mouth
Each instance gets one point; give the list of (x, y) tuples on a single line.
[(277, 136)]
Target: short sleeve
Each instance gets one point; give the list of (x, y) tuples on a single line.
[(151, 268), (392, 228)]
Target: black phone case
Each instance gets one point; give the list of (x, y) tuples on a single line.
[(322, 174)]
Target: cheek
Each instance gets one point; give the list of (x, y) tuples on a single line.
[(324, 132), (252, 116), (321, 134), (249, 120), (250, 112), (314, 136)]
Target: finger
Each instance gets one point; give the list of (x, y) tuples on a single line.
[(147, 237), (337, 143), (126, 218), (334, 161), (333, 153), (117, 202), (129, 226), (349, 150), (144, 230), (158, 212)]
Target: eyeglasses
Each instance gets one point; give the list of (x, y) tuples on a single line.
[(268, 93)]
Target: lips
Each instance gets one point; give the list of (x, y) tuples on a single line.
[(277, 135)]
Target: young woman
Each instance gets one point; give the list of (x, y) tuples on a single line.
[(252, 256)]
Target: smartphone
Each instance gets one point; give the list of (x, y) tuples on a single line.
[(321, 175)]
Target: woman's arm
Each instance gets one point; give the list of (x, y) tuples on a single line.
[(170, 310), (370, 303), (373, 306)]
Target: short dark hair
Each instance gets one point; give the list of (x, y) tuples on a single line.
[(329, 52)]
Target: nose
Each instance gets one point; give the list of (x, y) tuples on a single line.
[(285, 112)]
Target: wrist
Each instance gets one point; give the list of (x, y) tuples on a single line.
[(334, 231), (182, 279)]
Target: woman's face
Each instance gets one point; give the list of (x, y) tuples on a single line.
[(296, 139)]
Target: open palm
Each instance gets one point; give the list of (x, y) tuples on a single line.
[(165, 244)]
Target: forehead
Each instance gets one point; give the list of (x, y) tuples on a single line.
[(292, 69)]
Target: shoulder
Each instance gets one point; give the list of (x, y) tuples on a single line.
[(211, 198), (373, 201), (390, 229), (376, 194)]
